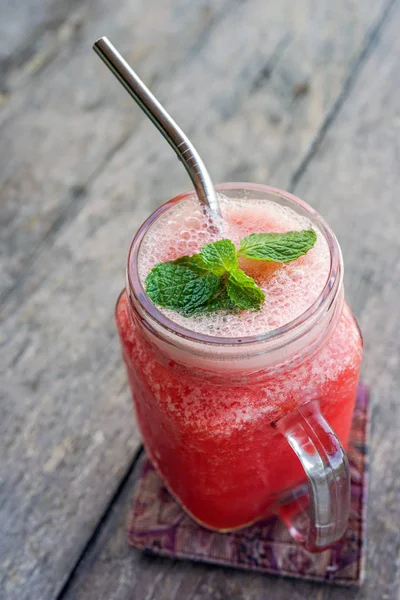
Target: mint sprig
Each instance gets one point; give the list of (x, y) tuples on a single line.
[(220, 302), (220, 257), (212, 280), (182, 287), (243, 291), (278, 247)]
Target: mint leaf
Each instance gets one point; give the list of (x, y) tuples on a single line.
[(277, 247), (211, 280), (220, 257), (181, 287), (220, 302), (244, 291), (194, 262)]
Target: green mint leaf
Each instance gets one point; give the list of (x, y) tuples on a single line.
[(220, 257), (244, 291), (220, 302), (277, 247), (194, 262), (211, 280), (181, 287)]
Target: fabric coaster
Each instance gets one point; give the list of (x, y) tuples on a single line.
[(158, 525)]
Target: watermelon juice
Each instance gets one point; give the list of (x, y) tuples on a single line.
[(209, 390)]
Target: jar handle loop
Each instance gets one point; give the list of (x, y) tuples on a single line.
[(319, 518)]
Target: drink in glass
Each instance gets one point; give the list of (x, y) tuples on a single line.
[(238, 411)]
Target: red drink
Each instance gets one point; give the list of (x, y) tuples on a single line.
[(209, 390)]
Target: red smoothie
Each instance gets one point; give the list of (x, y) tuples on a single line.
[(208, 389)]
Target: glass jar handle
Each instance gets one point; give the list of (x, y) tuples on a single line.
[(325, 463)]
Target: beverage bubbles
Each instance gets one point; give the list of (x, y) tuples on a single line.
[(290, 289)]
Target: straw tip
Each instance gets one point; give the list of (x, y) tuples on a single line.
[(101, 40)]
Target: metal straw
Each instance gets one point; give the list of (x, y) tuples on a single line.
[(162, 120)]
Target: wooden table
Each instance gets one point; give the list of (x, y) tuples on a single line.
[(300, 94)]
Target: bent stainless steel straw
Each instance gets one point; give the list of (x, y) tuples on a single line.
[(183, 147)]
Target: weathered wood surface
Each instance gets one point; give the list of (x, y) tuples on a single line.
[(23, 23), (234, 92), (81, 169), (353, 180)]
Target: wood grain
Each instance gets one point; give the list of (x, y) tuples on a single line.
[(352, 180), (66, 429), (23, 23), (61, 129), (236, 92)]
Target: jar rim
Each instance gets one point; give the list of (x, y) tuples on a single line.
[(151, 313)]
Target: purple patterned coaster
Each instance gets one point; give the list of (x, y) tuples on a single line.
[(158, 525)]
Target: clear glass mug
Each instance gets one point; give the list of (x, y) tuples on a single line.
[(189, 391)]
